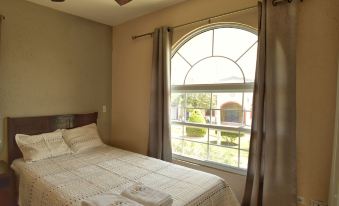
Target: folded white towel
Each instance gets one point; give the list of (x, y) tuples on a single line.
[(109, 199), (147, 196)]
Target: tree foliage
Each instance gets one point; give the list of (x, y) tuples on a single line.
[(195, 100), (196, 117), (231, 137)]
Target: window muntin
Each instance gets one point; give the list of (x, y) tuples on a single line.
[(197, 48), (212, 70), (235, 45), (212, 80)]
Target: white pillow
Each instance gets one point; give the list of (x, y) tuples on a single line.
[(42, 146), (82, 138)]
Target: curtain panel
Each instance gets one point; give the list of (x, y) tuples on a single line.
[(159, 145), (271, 175), (1, 123), (334, 183), (1, 18)]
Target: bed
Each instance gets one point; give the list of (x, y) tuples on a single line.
[(70, 179)]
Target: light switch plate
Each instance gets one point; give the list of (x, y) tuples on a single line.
[(301, 200)]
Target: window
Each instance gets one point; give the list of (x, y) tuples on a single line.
[(212, 80)]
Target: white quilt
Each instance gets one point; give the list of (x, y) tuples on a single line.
[(69, 179)]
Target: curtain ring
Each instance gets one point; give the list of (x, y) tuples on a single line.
[(276, 2)]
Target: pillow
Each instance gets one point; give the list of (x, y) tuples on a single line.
[(82, 138), (42, 146)]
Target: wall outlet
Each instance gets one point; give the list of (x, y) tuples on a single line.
[(301, 200), (318, 203), (104, 108)]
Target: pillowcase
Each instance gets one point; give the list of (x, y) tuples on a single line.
[(82, 138), (42, 146)]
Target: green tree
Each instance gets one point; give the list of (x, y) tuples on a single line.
[(177, 99), (231, 137), (201, 100), (196, 117)]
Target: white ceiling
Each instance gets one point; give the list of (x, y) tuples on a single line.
[(107, 11)]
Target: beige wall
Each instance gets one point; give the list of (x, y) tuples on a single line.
[(317, 54), (132, 71), (316, 83), (53, 63)]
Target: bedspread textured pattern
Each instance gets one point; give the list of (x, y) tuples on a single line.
[(69, 179)]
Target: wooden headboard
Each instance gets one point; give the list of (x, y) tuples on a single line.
[(43, 124)]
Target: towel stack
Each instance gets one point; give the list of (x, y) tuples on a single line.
[(147, 196), (136, 195), (109, 199)]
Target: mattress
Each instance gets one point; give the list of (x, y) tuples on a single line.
[(69, 179)]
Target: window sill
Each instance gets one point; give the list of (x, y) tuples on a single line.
[(210, 164)]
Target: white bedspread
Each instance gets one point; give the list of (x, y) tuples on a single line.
[(69, 179)]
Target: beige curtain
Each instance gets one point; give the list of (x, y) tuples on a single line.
[(334, 183), (1, 18), (1, 122), (271, 175), (159, 145)]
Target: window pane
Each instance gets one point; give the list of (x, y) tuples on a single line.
[(177, 113), (248, 101), (177, 146), (248, 119), (198, 47), (222, 100), (198, 134), (215, 70), (228, 109), (245, 140), (223, 155), (178, 99), (248, 63), (179, 69), (200, 116), (232, 114), (177, 131), (224, 138), (243, 159), (195, 150), (232, 42), (178, 106), (213, 117)]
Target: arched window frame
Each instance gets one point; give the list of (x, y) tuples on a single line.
[(215, 88)]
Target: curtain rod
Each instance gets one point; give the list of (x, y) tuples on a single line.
[(200, 20)]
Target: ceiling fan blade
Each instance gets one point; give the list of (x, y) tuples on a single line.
[(122, 2)]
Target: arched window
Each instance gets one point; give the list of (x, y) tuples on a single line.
[(212, 78)]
